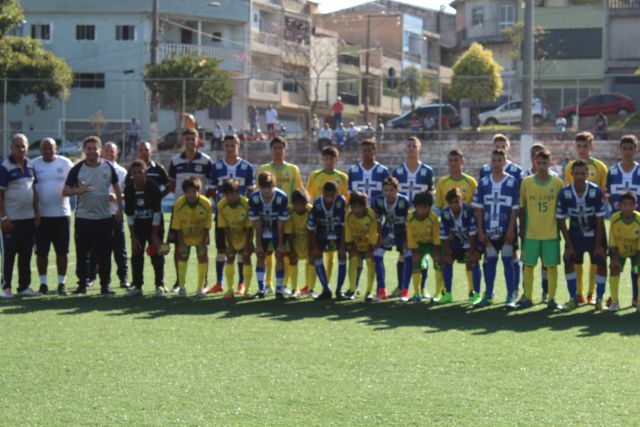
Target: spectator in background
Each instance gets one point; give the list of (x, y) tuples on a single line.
[(352, 135), (20, 215), (253, 120), (325, 136), (602, 127), (379, 131), (218, 136), (55, 211), (231, 130), (414, 124), (315, 125), (337, 108), (271, 118), (340, 135), (561, 127), (133, 134)]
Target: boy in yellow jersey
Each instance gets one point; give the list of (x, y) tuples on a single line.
[(539, 228), (233, 219), (423, 238), (598, 175), (315, 185), (467, 185), (295, 230), (191, 222), (360, 236), (624, 242), (288, 179)]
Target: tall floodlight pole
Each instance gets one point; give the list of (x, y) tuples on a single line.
[(526, 139), (153, 117)]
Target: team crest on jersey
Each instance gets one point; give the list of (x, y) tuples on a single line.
[(510, 182), (423, 172), (278, 199), (140, 202), (243, 166), (592, 193), (198, 168), (567, 194)]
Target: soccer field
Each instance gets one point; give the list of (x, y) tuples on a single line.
[(149, 361)]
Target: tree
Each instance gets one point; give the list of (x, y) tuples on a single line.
[(413, 84), (476, 75), (196, 81)]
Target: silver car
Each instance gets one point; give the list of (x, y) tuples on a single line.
[(511, 112)]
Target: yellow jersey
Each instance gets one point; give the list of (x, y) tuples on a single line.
[(363, 231), (597, 173), (319, 177), (624, 235), (235, 219), (296, 225), (422, 230), (194, 221), (466, 183), (539, 201), (288, 177)]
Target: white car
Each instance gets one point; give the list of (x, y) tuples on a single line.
[(511, 112)]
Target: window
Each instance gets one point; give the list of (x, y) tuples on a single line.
[(477, 16), (289, 84), (41, 31), (85, 32), (125, 32), (186, 36), (507, 16), (88, 80), (220, 113), (216, 37), (578, 43)]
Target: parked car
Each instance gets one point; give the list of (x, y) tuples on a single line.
[(606, 103), (448, 111), (170, 140), (511, 112), (68, 148)]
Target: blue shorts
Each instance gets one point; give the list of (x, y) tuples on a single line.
[(582, 245), (53, 231)]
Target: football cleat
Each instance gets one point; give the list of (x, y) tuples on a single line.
[(241, 288), (214, 290), (397, 292), (475, 298), (325, 295), (369, 297), (591, 299), (182, 292), (570, 305), (305, 291), (80, 290), (62, 290), (524, 303), (269, 290), (545, 298), (134, 292), (510, 303), (598, 305), (312, 295), (484, 302), (28, 292), (286, 290), (615, 306), (280, 296), (44, 289), (634, 303), (609, 301), (258, 295), (107, 292), (294, 295), (444, 299), (350, 295), (229, 294), (404, 295), (382, 294), (416, 298), (553, 305), (580, 299), (7, 294), (161, 292)]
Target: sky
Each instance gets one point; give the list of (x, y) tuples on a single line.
[(331, 5)]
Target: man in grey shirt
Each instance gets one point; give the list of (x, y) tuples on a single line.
[(91, 180), (20, 215)]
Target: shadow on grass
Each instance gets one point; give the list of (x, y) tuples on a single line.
[(380, 316)]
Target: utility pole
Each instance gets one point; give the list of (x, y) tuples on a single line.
[(526, 140), (153, 117), (365, 93)]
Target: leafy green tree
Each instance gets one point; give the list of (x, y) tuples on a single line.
[(413, 84), (196, 81), (476, 76)]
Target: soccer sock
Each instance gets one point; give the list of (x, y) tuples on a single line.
[(447, 276), (545, 280), (634, 289), (353, 273), (43, 279), (182, 273), (516, 273), (240, 273), (287, 273), (202, 274), (593, 269), (62, 279), (220, 262), (380, 273), (439, 280), (371, 275), (528, 282), (329, 260), (552, 274), (489, 268), (475, 277), (469, 275), (229, 273), (571, 285), (509, 275), (310, 276), (342, 272), (615, 285), (260, 276), (322, 275), (417, 279), (248, 273), (423, 279), (601, 284), (400, 273), (293, 276), (279, 280), (269, 271), (579, 282), (408, 272)]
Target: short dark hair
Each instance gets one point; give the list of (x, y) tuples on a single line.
[(628, 195), (137, 164), (330, 151), (92, 139), (499, 153), (266, 179), (230, 186), (629, 139), (391, 180), (330, 187), (191, 182), (232, 137), (357, 198), (453, 194), (501, 137), (368, 142), (189, 131), (423, 198), (414, 139), (578, 164), (584, 136), (279, 140), (543, 154), (455, 152), (536, 147), (299, 196)]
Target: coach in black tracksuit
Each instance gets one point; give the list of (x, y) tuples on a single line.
[(142, 200)]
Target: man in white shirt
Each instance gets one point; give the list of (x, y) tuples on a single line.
[(271, 118), (55, 213)]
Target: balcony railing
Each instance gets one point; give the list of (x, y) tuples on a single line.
[(624, 4), (232, 58), (267, 39)]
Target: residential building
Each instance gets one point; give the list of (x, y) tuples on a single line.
[(623, 49)]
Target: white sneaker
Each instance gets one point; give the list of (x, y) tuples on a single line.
[(134, 292), (28, 293), (268, 290), (160, 292), (287, 290), (202, 292), (182, 292), (6, 294), (615, 306)]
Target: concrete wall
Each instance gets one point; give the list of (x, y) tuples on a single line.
[(624, 33)]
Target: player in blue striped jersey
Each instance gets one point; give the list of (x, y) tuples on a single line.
[(501, 142), (269, 209), (496, 201), (367, 176), (391, 210)]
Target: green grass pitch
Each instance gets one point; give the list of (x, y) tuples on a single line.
[(149, 361)]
